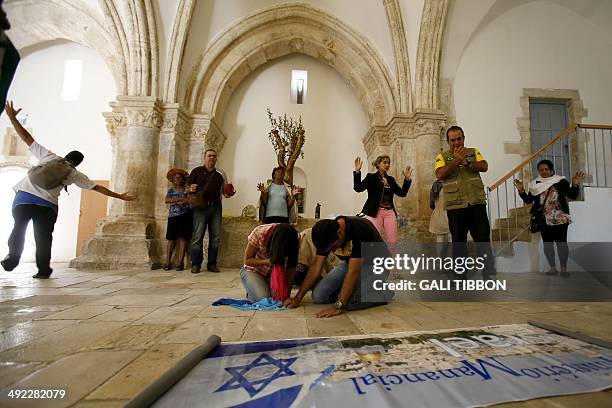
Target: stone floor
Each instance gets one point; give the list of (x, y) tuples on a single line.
[(104, 336)]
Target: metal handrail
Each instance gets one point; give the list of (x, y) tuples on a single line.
[(594, 147), (528, 160)]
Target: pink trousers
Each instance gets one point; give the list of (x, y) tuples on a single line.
[(386, 221)]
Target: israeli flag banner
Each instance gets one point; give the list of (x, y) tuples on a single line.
[(460, 368)]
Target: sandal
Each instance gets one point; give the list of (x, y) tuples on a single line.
[(166, 267)]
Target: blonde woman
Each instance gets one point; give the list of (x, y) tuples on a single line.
[(381, 188)]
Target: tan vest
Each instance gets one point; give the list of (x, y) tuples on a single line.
[(463, 187)]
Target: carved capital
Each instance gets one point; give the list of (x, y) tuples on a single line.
[(204, 129), (142, 111), (174, 121), (215, 138), (428, 127), (378, 136), (144, 117), (198, 132), (114, 121)]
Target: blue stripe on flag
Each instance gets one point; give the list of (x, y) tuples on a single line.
[(225, 350)]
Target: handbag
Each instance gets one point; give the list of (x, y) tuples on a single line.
[(537, 220), (197, 200)]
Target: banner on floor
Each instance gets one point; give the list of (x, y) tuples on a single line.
[(459, 368)]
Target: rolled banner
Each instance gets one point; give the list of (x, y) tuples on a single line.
[(150, 394)]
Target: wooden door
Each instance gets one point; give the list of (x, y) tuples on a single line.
[(93, 207), (547, 120)]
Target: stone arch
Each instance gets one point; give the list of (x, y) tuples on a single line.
[(280, 31), (35, 22)]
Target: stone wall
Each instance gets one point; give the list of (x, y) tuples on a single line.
[(234, 233)]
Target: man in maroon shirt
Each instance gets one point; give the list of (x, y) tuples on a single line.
[(209, 179)]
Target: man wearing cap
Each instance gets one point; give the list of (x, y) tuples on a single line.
[(33, 202)]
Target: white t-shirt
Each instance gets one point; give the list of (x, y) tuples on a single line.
[(52, 195)]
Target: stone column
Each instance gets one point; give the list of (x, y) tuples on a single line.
[(124, 239), (171, 153), (410, 140), (402, 155), (427, 129), (116, 125), (204, 133)]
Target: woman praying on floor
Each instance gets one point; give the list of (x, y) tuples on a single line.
[(269, 262)]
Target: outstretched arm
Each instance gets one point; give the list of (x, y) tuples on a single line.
[(12, 115), (312, 277), (107, 192)]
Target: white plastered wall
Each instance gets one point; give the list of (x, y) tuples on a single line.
[(212, 17), (64, 126), (536, 45), (334, 121)]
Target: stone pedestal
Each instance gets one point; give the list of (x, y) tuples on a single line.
[(120, 243), (125, 238)]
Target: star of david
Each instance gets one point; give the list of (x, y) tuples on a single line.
[(239, 373)]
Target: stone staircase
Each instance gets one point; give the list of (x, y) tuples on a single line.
[(515, 225), (511, 229)]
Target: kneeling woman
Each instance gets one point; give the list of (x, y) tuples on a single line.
[(270, 247)]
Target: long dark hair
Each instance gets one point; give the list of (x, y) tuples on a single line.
[(283, 245)]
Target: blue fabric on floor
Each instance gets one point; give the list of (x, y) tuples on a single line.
[(264, 304)]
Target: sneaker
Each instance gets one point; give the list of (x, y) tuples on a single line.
[(42, 275), (9, 263), (180, 267), (167, 267), (565, 274), (213, 268), (195, 269)]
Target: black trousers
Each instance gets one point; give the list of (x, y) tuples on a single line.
[(43, 219), (555, 234), (472, 219)]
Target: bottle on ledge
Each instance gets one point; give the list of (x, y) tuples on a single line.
[(318, 211)]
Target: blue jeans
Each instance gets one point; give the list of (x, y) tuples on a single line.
[(257, 287), (209, 218), (328, 288)]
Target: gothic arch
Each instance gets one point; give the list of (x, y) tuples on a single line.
[(35, 22), (283, 30)]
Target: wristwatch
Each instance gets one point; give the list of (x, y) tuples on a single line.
[(339, 305)]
